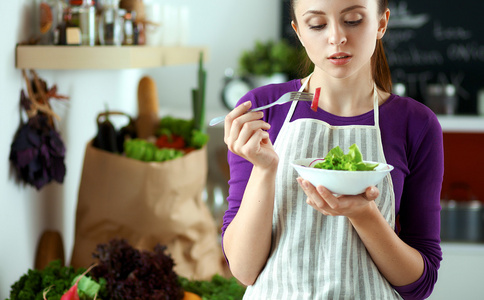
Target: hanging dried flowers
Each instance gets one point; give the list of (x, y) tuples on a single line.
[(37, 151)]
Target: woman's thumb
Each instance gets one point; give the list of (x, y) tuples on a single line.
[(371, 193)]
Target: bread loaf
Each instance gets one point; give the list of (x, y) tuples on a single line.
[(148, 108)]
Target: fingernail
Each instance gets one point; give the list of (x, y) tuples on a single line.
[(247, 103)]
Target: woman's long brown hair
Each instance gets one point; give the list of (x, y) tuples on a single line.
[(379, 65)]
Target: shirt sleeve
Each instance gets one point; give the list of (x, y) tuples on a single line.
[(240, 170), (419, 214)]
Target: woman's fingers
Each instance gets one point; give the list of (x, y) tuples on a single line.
[(250, 130), (234, 114), (315, 199), (323, 200), (246, 135)]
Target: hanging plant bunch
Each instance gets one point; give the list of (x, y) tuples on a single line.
[(37, 151)]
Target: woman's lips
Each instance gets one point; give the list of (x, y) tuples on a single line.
[(339, 58)]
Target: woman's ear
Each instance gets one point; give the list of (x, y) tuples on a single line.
[(294, 26), (383, 24)]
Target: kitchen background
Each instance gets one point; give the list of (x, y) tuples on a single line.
[(226, 28)]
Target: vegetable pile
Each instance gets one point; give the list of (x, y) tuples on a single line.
[(53, 282), (172, 137), (352, 161), (122, 272)]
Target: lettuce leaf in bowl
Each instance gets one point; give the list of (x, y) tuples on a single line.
[(336, 159)]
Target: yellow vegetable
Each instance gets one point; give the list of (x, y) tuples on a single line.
[(191, 296)]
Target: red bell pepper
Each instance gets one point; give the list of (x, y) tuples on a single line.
[(314, 104)]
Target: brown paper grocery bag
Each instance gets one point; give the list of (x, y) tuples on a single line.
[(147, 203)]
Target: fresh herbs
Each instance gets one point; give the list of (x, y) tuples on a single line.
[(219, 288), (37, 151), (353, 161), (55, 279), (134, 274)]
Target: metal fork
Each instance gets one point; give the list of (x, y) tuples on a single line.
[(287, 97)]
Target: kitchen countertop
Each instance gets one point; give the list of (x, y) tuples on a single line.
[(460, 274), (458, 123), (468, 248)]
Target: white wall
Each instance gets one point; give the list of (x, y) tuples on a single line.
[(225, 26)]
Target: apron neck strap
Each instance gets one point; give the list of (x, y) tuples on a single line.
[(376, 107)]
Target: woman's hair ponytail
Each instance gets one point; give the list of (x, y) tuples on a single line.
[(379, 65), (380, 69)]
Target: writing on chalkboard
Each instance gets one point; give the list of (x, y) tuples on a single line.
[(457, 33), (428, 46), (466, 52), (401, 17)]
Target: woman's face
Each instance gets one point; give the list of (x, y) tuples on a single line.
[(340, 35)]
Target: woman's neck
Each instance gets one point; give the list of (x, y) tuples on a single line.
[(343, 97)]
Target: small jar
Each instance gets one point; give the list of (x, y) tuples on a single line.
[(128, 28), (50, 19), (87, 22), (110, 24)]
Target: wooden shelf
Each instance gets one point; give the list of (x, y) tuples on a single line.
[(104, 57)]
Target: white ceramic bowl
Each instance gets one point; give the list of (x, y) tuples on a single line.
[(341, 182)]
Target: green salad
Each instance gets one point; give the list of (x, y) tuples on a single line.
[(352, 161)]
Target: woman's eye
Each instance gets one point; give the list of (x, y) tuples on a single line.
[(317, 27), (354, 23)]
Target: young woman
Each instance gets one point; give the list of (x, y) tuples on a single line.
[(287, 239)]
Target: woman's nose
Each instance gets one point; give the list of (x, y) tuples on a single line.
[(336, 36)]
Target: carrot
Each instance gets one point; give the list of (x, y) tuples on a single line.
[(314, 104)]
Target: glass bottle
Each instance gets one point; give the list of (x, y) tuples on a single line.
[(110, 24), (87, 22), (62, 27), (128, 28)]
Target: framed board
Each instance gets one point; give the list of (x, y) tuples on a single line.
[(432, 43)]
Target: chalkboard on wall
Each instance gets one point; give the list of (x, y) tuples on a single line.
[(432, 43), (437, 42)]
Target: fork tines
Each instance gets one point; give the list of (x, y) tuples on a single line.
[(302, 96)]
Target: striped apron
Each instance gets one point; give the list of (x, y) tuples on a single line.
[(314, 256)]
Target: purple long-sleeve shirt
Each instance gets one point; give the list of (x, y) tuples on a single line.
[(412, 143)]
